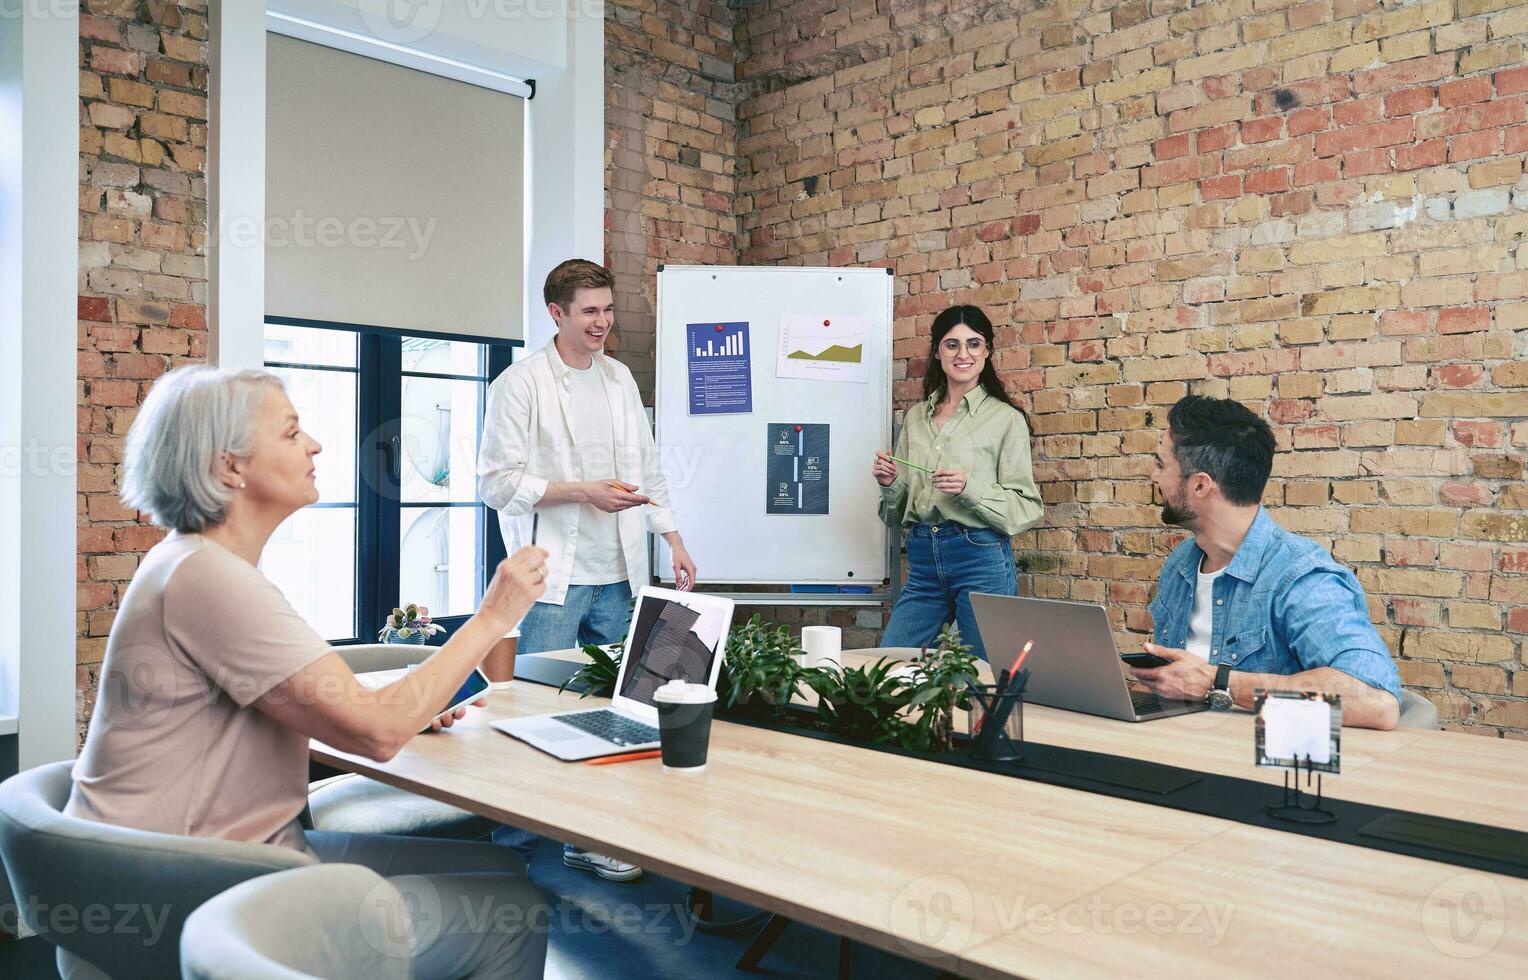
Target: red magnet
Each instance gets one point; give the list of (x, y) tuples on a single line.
[(718, 328), (798, 428), (827, 323)]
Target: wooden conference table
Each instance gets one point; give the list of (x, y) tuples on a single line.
[(985, 875)]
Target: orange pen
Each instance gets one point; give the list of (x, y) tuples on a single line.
[(606, 760)]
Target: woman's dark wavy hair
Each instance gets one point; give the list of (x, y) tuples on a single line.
[(972, 316)]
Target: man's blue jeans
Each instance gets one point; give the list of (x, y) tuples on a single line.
[(589, 614), (946, 563)]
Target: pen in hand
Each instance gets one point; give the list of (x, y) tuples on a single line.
[(915, 466), (627, 487)]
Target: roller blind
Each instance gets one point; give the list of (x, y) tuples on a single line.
[(393, 197)]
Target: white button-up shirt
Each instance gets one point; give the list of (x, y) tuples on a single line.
[(529, 441)]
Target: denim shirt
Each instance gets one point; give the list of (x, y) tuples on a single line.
[(1283, 605)]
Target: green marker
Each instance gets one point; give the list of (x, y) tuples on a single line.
[(913, 465)]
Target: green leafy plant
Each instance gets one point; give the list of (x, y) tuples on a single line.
[(598, 676), (863, 702), (763, 668), (941, 681), (894, 702)]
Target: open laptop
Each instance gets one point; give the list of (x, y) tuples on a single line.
[(1074, 663), (673, 636)]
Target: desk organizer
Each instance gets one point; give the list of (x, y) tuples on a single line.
[(998, 722)]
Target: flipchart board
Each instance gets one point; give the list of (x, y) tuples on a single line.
[(773, 392)]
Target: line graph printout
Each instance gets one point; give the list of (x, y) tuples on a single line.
[(823, 347)]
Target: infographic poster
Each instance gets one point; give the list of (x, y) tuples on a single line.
[(720, 383), (823, 348), (797, 469)]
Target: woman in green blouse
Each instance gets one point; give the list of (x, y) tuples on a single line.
[(968, 489)]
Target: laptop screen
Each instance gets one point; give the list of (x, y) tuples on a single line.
[(674, 636)]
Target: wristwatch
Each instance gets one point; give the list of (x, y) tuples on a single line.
[(1219, 695)]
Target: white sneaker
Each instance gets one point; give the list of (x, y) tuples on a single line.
[(608, 868)]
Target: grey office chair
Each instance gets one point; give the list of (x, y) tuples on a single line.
[(354, 804), (96, 871), (331, 920), (1417, 711)]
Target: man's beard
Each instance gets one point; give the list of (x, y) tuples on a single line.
[(1178, 515)]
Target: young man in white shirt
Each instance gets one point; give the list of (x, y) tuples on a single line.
[(566, 440)]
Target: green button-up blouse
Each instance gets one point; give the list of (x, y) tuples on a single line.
[(988, 441)]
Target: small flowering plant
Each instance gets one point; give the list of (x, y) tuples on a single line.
[(411, 624)]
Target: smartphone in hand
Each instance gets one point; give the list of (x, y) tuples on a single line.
[(472, 688), (1147, 660)]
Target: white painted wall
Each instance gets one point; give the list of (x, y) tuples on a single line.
[(39, 268), (236, 184), (567, 158), (523, 38)]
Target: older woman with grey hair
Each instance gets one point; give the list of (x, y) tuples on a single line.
[(213, 685)]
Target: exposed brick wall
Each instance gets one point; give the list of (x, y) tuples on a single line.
[(142, 303), (1316, 208), (671, 147), (671, 108)]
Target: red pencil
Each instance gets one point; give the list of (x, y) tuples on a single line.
[(1022, 654), (1003, 681)]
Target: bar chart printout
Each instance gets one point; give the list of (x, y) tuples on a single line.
[(797, 471), (717, 355)]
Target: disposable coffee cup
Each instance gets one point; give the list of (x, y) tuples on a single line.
[(684, 724)]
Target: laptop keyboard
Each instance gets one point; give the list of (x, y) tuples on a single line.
[(611, 727)]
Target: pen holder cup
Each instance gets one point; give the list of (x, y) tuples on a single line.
[(1005, 741)]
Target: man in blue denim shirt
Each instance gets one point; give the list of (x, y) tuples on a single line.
[(1244, 604)]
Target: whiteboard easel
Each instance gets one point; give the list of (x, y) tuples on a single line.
[(716, 464)]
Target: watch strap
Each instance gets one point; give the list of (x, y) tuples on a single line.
[(1222, 678)]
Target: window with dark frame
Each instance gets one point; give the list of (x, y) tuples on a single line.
[(399, 416)]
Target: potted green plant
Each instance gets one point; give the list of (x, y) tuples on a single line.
[(940, 681), (763, 669), (864, 702), (891, 702), (410, 624)]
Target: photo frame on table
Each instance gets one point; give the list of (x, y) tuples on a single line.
[(1299, 730)]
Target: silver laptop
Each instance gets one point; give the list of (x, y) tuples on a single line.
[(1074, 664), (673, 636)]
